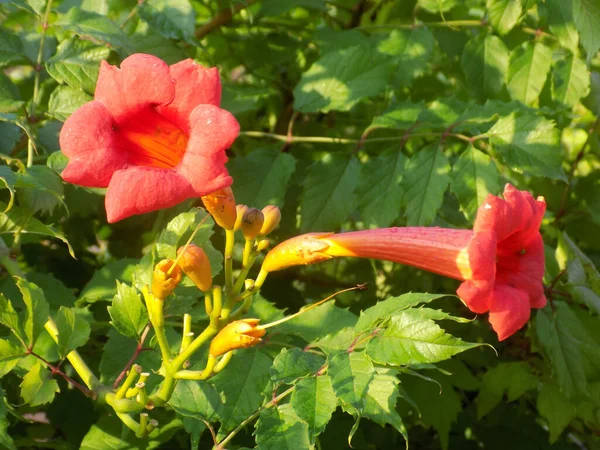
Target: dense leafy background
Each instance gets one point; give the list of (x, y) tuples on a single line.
[(355, 113)]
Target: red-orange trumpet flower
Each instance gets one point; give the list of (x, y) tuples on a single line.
[(501, 261)]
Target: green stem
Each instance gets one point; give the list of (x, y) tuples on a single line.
[(208, 333), (157, 319), (131, 376), (228, 255), (198, 374), (129, 422)]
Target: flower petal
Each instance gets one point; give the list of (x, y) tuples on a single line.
[(89, 141), (138, 190), (213, 130), (194, 85), (142, 80), (509, 311)]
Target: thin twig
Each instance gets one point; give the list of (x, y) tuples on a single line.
[(56, 371), (139, 349)]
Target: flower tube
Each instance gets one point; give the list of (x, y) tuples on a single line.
[(500, 261)]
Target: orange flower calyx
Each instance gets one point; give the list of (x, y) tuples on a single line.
[(163, 282), (221, 206), (195, 264), (272, 217), (252, 222), (238, 334)]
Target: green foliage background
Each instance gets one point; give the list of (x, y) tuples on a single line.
[(354, 114)]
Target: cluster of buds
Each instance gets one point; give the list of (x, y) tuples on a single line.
[(255, 223)]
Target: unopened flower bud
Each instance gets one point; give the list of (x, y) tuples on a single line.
[(252, 222), (221, 206), (195, 264), (308, 248), (263, 245), (272, 216), (240, 210), (163, 282), (238, 334)]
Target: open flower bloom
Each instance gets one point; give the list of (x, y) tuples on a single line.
[(501, 261), (154, 135), (238, 334)]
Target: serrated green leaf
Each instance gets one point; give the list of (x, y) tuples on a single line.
[(11, 49), (411, 338), (5, 440), (10, 318), (586, 15), (262, 177), (77, 63), (381, 311), (242, 393), (295, 363), (328, 195), (560, 20), (317, 322), (37, 387), (511, 379), (10, 100), (380, 193), (36, 310), (570, 80), (56, 293), (527, 71), (556, 409), (174, 19), (529, 144), (437, 6), (503, 14), (342, 78), (197, 399), (425, 180), (443, 112), (64, 100), (73, 330), (10, 355), (97, 26), (485, 63), (314, 402), (279, 428), (399, 116), (276, 7), (40, 189), (128, 313), (336, 342), (102, 285), (474, 176), (351, 374)]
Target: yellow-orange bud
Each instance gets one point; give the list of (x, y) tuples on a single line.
[(272, 216), (238, 334), (252, 222), (305, 249), (221, 205), (163, 282), (240, 210), (195, 264)]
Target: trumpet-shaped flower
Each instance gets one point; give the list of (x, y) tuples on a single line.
[(154, 135), (238, 334), (500, 261)]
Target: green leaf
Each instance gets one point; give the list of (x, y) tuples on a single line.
[(351, 375), (556, 409), (328, 195), (174, 19), (399, 116), (437, 6), (128, 313), (73, 330), (314, 402), (512, 379), (372, 317), (277, 7), (474, 176), (503, 14), (279, 428), (10, 100), (5, 440), (10, 318), (527, 71), (56, 293), (242, 393), (20, 220), (379, 192), (11, 49), (40, 189), (36, 310), (262, 177), (336, 342), (96, 26), (572, 351), (317, 322), (485, 63), (10, 355), (411, 338), (560, 20), (342, 78), (102, 286), (570, 80), (197, 399), (293, 364), (529, 144), (77, 63), (425, 180), (37, 387), (239, 99), (9, 178), (586, 14), (64, 100)]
